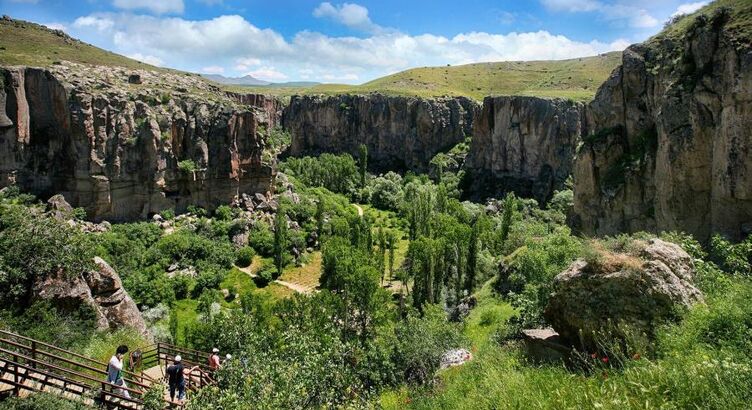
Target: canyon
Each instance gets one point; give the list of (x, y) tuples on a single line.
[(664, 144)]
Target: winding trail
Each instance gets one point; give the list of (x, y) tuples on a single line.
[(360, 210)]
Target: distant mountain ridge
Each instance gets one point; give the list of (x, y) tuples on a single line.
[(249, 80)]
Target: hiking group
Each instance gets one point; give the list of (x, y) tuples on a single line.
[(175, 373)]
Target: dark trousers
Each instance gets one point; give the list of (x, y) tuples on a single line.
[(180, 386)]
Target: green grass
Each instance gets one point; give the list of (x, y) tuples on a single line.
[(739, 26), (577, 79), (702, 362), (187, 316), (27, 43), (307, 275)]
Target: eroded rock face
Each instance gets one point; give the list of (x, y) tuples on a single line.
[(100, 289), (670, 142), (114, 149), (525, 145), (401, 133), (587, 299)]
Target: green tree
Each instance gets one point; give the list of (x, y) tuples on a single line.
[(391, 239), (509, 208), (281, 239), (363, 164), (472, 256)]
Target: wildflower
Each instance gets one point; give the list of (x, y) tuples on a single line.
[(636, 356), (605, 359), (594, 355)]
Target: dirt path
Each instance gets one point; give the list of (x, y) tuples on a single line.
[(294, 286), (360, 209)]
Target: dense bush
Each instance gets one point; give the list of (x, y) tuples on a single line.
[(244, 256), (337, 173), (386, 191), (34, 245)]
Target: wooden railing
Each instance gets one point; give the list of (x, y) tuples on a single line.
[(163, 354), (36, 349), (25, 373), (32, 365)]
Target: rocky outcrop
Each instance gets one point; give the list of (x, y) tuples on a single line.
[(401, 133), (525, 145), (100, 289), (620, 293), (124, 151), (670, 140)]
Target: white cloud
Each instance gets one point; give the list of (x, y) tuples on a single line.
[(689, 8), (634, 16), (154, 6), (267, 73), (244, 64), (148, 59), (233, 43), (213, 69), (98, 23), (349, 14)]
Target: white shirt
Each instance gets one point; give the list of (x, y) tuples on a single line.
[(113, 370)]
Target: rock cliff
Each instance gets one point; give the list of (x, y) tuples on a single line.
[(100, 289), (523, 144), (401, 133), (670, 142), (126, 143)]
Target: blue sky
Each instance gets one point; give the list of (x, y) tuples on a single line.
[(349, 42)]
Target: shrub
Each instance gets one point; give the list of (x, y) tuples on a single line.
[(167, 214), (422, 341), (387, 191), (79, 213), (187, 165), (223, 213), (244, 256), (262, 239)]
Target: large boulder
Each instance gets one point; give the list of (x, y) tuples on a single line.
[(623, 293), (99, 289)]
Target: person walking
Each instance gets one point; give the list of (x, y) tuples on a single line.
[(176, 378), (115, 371), (214, 360)]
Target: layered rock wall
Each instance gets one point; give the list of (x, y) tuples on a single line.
[(401, 133), (524, 145), (115, 151), (670, 142)]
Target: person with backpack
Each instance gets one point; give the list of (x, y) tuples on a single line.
[(115, 371), (176, 378)]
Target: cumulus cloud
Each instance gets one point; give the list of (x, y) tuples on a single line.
[(634, 16), (233, 43), (349, 14), (154, 6), (689, 8), (56, 26)]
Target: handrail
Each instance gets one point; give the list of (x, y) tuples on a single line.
[(71, 372), (53, 347), (66, 360), (65, 380)]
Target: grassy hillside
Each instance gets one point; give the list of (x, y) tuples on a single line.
[(25, 43), (577, 79), (740, 24)]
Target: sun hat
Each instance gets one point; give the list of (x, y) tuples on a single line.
[(178, 358), (215, 350)]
